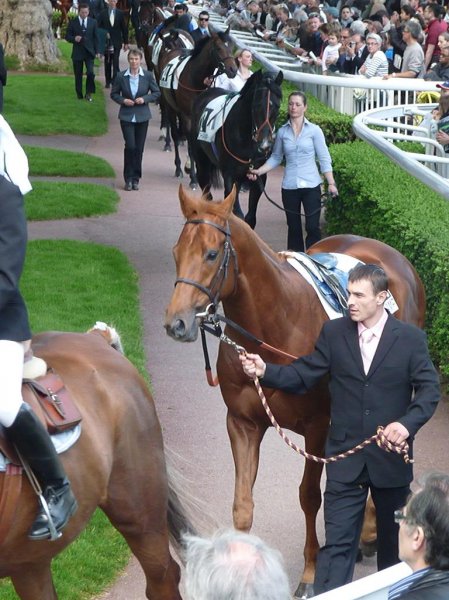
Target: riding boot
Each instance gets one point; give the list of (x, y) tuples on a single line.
[(36, 448)]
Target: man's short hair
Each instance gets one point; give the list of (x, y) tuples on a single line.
[(429, 508), (373, 273), (82, 5), (414, 28), (408, 10), (233, 564)]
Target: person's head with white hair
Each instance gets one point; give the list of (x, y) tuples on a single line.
[(232, 565)]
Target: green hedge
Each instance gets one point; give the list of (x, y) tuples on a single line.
[(379, 200), (337, 128)]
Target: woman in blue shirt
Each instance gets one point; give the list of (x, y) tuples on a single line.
[(302, 144)]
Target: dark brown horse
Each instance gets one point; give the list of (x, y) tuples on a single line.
[(218, 257), (181, 83), (117, 464)]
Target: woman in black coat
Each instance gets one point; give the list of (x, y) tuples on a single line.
[(133, 89)]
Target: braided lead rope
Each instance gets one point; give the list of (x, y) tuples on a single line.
[(378, 437)]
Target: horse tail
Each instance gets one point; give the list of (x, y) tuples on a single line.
[(186, 514), (215, 177), (110, 334)]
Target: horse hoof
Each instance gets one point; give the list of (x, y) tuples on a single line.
[(179, 174), (250, 221), (304, 590), (193, 186), (167, 148), (161, 138), (368, 549)]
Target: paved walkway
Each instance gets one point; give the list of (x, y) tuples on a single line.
[(145, 227)]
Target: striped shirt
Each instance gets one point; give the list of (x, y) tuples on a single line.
[(403, 585), (376, 65)]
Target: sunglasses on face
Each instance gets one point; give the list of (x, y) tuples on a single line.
[(202, 19)]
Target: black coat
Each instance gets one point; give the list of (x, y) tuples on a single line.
[(88, 47), (359, 402), (118, 33), (14, 325), (433, 586), (148, 90)]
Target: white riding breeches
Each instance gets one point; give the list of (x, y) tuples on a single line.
[(11, 371)]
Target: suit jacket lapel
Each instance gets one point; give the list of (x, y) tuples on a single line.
[(352, 339), (388, 338)]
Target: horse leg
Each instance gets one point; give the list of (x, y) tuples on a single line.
[(229, 181), (245, 440), (310, 500), (137, 507), (35, 581), (193, 178), (175, 137), (255, 192)]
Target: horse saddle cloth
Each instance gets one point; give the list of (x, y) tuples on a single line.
[(172, 71), (214, 115), (54, 406), (328, 273)]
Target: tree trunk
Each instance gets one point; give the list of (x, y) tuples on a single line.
[(25, 31)]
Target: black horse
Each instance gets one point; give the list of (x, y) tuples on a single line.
[(230, 138)]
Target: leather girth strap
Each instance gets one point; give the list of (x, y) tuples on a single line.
[(10, 488)]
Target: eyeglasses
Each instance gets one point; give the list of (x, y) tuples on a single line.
[(204, 19), (399, 516)]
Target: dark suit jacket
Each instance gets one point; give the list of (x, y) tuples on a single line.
[(148, 90), (14, 324), (118, 33), (197, 35), (89, 45), (352, 65), (359, 402)]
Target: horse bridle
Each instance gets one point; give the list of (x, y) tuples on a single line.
[(222, 272), (254, 136), (221, 68)]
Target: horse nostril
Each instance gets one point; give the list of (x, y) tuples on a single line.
[(179, 328)]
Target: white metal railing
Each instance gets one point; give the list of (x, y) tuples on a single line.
[(399, 123)]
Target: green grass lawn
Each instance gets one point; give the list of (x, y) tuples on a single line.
[(68, 286), (50, 200), (63, 163), (47, 104)]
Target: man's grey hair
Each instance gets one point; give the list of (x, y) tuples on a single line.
[(414, 28), (232, 565), (358, 27)]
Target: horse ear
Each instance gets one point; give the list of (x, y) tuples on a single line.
[(280, 77), (189, 204), (228, 202)]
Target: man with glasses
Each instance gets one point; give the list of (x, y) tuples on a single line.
[(424, 542), (413, 59), (355, 55), (203, 27)]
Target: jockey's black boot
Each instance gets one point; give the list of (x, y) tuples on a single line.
[(35, 446)]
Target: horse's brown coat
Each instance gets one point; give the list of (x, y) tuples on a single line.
[(118, 464), (269, 299)]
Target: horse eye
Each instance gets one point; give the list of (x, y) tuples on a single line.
[(212, 255)]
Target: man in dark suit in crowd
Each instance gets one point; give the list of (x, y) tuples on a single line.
[(203, 27), (380, 374), (95, 7), (82, 32), (112, 20)]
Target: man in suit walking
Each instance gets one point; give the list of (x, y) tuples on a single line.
[(380, 374), (82, 32), (112, 20)]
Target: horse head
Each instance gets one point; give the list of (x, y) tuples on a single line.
[(220, 44), (265, 109), (206, 263)]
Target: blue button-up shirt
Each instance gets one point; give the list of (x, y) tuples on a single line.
[(301, 154)]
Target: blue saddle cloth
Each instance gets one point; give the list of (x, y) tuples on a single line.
[(333, 282)]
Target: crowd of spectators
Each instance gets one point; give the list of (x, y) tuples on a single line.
[(388, 38)]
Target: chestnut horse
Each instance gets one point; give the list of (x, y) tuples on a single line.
[(220, 258), (117, 464)]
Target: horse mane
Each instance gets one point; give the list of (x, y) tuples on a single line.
[(224, 37)]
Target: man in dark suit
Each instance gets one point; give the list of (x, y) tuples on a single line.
[(82, 32), (95, 7), (355, 55), (380, 374), (203, 27), (112, 20)]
